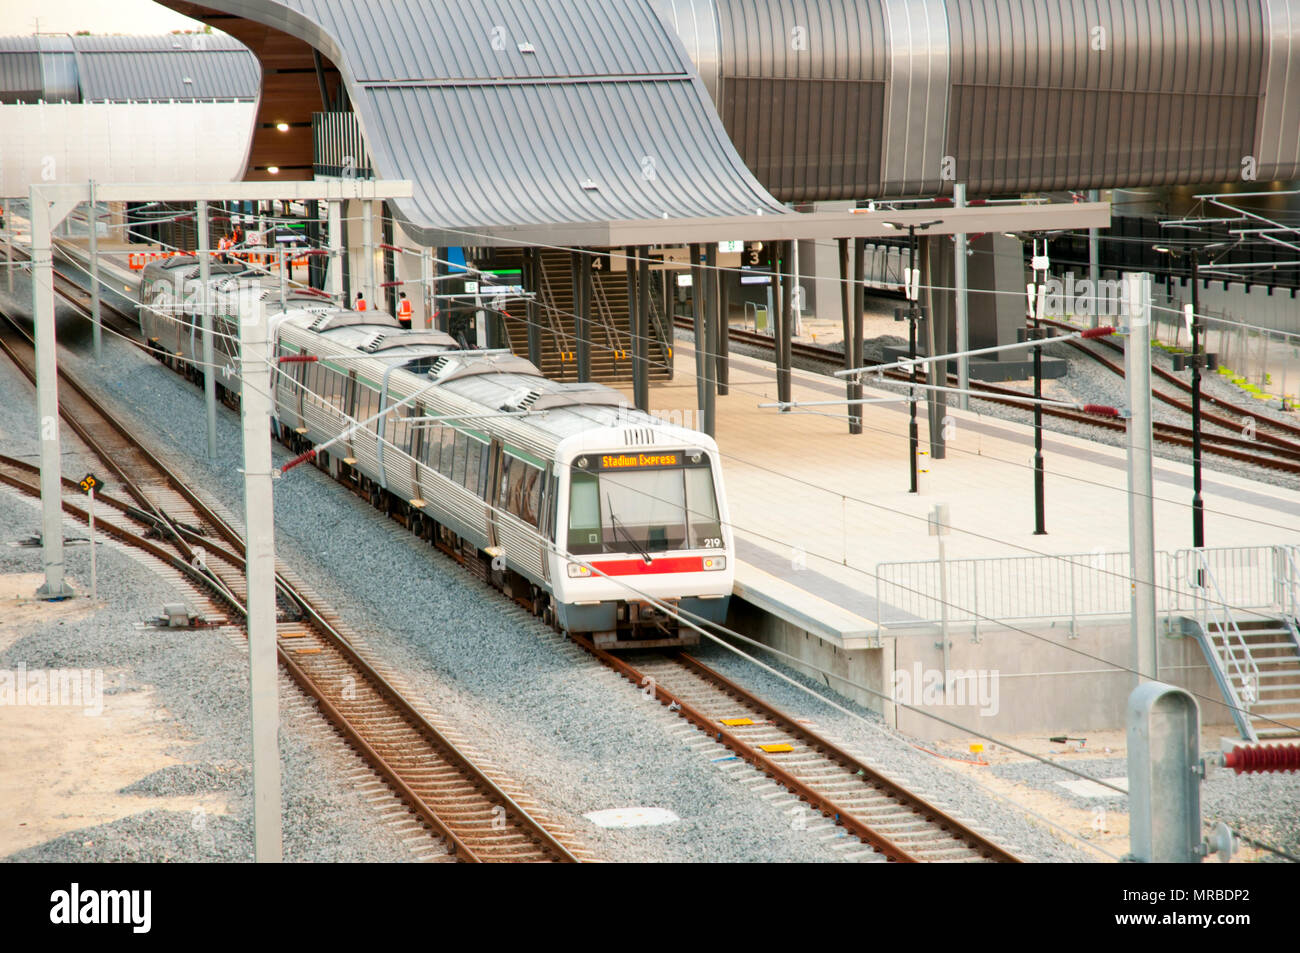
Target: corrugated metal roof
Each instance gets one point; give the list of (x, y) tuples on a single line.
[(122, 68), (177, 66), (20, 69), (499, 110)]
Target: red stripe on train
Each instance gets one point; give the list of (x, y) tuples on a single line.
[(639, 567)]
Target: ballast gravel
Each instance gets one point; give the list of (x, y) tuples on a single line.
[(198, 680)]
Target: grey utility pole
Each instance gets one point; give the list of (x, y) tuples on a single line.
[(368, 249), (336, 251), (961, 303), (92, 217), (205, 312), (47, 395), (259, 519), (1137, 371)]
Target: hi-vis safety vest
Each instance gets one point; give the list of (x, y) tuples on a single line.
[(361, 304), (404, 308)]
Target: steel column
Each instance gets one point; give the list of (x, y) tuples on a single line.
[(697, 312), (9, 245), (1198, 502), (961, 309), (533, 284), (641, 335), (582, 301), (1094, 263), (47, 400), (1137, 371), (787, 324), (723, 340), (336, 287), (710, 338), (259, 518), (853, 344), (936, 402), (427, 290), (368, 250)]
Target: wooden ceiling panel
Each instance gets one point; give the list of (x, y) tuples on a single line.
[(290, 92)]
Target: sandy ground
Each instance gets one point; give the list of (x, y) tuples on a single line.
[(62, 768), (1101, 827)]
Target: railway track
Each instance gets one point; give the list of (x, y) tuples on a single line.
[(889, 821), (453, 800), (884, 816), (1271, 449)]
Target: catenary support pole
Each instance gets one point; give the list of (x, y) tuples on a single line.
[(854, 343), (96, 317), (641, 341), (1137, 371), (1198, 501), (47, 400), (259, 517), (205, 324), (724, 333), (787, 322), (710, 338), (533, 283), (846, 324), (427, 290), (961, 302), (697, 313), (368, 287), (1094, 264), (336, 251)]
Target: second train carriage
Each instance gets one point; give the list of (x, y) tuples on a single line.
[(570, 501)]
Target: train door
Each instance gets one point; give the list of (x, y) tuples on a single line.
[(495, 458)]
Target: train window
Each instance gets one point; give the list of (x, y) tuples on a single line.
[(458, 458), (584, 513), (531, 495), (448, 440), (507, 465), (472, 460), (484, 476), (702, 509)]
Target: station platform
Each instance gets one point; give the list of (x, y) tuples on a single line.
[(816, 511)]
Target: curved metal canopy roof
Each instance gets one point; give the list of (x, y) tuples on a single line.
[(512, 116)]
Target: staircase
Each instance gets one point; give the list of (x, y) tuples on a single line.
[(610, 323), (1257, 662)]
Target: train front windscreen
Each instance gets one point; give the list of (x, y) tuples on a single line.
[(643, 503)]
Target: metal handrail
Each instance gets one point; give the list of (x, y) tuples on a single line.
[(1216, 612), (557, 329), (1287, 575), (661, 329)]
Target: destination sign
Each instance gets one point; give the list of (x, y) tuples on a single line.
[(628, 461)]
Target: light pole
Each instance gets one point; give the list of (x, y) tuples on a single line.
[(914, 314), (1196, 360)]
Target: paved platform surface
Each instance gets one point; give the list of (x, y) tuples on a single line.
[(815, 510)]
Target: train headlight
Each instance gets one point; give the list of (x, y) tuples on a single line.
[(715, 562), (577, 570)]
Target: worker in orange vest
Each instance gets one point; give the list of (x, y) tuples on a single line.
[(404, 311), (361, 302)]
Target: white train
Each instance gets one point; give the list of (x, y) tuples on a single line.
[(559, 494)]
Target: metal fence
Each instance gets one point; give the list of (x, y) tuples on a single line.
[(1079, 585)]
